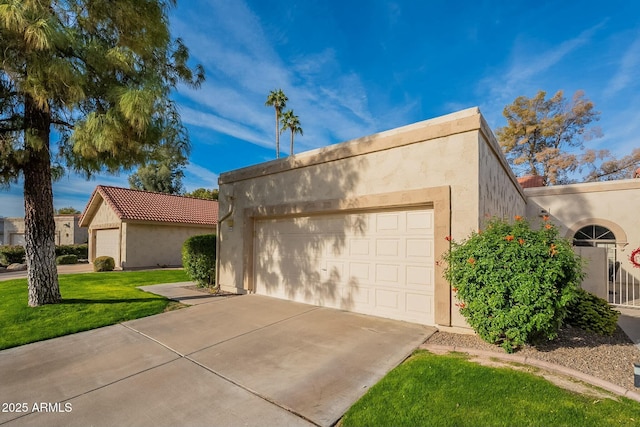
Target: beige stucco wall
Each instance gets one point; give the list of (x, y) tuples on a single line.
[(411, 165), (67, 232), (612, 204), (104, 217), (156, 245), (12, 226), (500, 195)]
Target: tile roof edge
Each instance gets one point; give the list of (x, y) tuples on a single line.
[(156, 192), (107, 198)]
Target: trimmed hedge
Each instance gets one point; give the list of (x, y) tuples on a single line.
[(15, 254), (11, 254), (67, 259), (104, 263), (199, 258), (592, 313), (81, 251)]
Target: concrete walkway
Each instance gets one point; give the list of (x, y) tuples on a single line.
[(62, 269), (244, 360), (629, 322)]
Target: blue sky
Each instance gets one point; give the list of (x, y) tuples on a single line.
[(355, 67)]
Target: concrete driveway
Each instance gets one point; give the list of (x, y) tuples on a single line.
[(245, 360)]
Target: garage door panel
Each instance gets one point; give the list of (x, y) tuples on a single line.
[(388, 247), (356, 296), (108, 243), (387, 222), (419, 306), (387, 273), (378, 263), (359, 247), (418, 276), (17, 239), (387, 299), (420, 221), (419, 248), (360, 271)]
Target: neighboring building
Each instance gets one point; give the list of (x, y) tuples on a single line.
[(144, 229), (362, 225), (603, 221), (68, 230)]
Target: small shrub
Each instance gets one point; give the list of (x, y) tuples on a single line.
[(66, 259), (81, 251), (11, 254), (513, 283), (199, 258), (592, 313), (104, 263)]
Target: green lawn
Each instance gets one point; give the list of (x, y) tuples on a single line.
[(89, 301), (431, 390)]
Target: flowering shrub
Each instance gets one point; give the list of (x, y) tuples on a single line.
[(513, 283)]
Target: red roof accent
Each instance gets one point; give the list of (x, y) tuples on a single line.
[(531, 181), (158, 207)]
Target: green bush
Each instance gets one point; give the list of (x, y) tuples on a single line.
[(10, 254), (514, 283), (199, 258), (104, 263), (81, 251), (592, 313), (66, 259)]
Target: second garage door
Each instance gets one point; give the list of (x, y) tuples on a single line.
[(108, 243), (378, 263)]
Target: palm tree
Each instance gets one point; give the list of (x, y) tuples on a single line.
[(278, 100), (292, 122)]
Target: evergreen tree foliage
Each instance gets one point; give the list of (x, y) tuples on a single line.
[(157, 177), (97, 73), (69, 210), (203, 193)]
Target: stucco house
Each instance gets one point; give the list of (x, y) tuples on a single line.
[(144, 229), (67, 232), (362, 225), (603, 221)]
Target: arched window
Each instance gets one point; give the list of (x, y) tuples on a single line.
[(594, 235)]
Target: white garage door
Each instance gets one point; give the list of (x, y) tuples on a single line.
[(17, 239), (379, 263), (108, 243)]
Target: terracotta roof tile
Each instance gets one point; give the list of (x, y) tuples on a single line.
[(147, 206)]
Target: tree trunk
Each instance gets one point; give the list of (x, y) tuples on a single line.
[(277, 135), (39, 222), (291, 149)]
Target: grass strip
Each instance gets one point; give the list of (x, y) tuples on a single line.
[(448, 390), (89, 301)]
